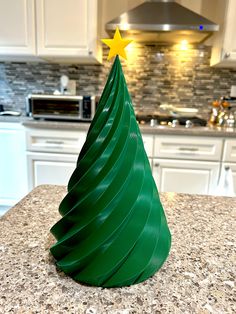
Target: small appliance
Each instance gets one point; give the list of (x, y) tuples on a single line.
[(61, 107)]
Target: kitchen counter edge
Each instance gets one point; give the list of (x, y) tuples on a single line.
[(84, 126)]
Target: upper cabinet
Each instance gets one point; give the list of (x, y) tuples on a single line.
[(55, 30), (67, 30), (17, 28), (224, 46)]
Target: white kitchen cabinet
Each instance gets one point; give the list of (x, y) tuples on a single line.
[(52, 155), (67, 30), (13, 167), (50, 168), (188, 147), (232, 166), (148, 141), (187, 164), (185, 176), (55, 141), (229, 158), (224, 45), (17, 28), (229, 154), (56, 30)]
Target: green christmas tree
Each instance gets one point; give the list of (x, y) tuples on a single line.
[(113, 231)]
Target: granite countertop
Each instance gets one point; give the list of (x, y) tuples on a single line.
[(198, 276), (145, 129), (197, 131)]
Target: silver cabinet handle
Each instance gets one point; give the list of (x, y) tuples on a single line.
[(54, 142), (191, 149)]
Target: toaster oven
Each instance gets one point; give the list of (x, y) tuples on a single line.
[(61, 107)]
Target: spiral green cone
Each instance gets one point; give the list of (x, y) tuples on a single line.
[(113, 231)]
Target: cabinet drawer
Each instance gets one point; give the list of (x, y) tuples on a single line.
[(196, 148), (148, 144), (230, 151), (55, 141)]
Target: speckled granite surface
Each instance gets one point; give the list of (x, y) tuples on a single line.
[(198, 276), (197, 131)]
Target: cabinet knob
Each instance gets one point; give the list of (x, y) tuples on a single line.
[(156, 164)]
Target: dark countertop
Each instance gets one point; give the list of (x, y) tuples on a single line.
[(165, 130), (198, 277)]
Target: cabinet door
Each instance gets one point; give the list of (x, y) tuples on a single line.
[(224, 45), (230, 151), (148, 144), (13, 178), (17, 28), (194, 177), (229, 45), (67, 29), (50, 168), (232, 166)]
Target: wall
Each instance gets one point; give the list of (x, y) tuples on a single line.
[(155, 74), (110, 9), (17, 80)]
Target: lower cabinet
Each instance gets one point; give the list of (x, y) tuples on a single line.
[(148, 141), (232, 166), (185, 176), (229, 162), (52, 155), (187, 164), (182, 164), (13, 174), (50, 168)]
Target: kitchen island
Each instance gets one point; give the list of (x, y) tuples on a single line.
[(198, 276)]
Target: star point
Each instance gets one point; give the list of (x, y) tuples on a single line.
[(117, 45)]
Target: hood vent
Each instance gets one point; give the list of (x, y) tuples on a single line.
[(162, 21)]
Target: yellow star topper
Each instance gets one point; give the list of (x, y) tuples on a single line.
[(117, 45)]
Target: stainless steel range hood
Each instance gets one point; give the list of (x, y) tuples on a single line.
[(163, 21)]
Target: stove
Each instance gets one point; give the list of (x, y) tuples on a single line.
[(168, 120)]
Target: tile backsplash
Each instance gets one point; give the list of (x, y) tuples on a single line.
[(155, 74)]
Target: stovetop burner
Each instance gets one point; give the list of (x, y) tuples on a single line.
[(154, 120)]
